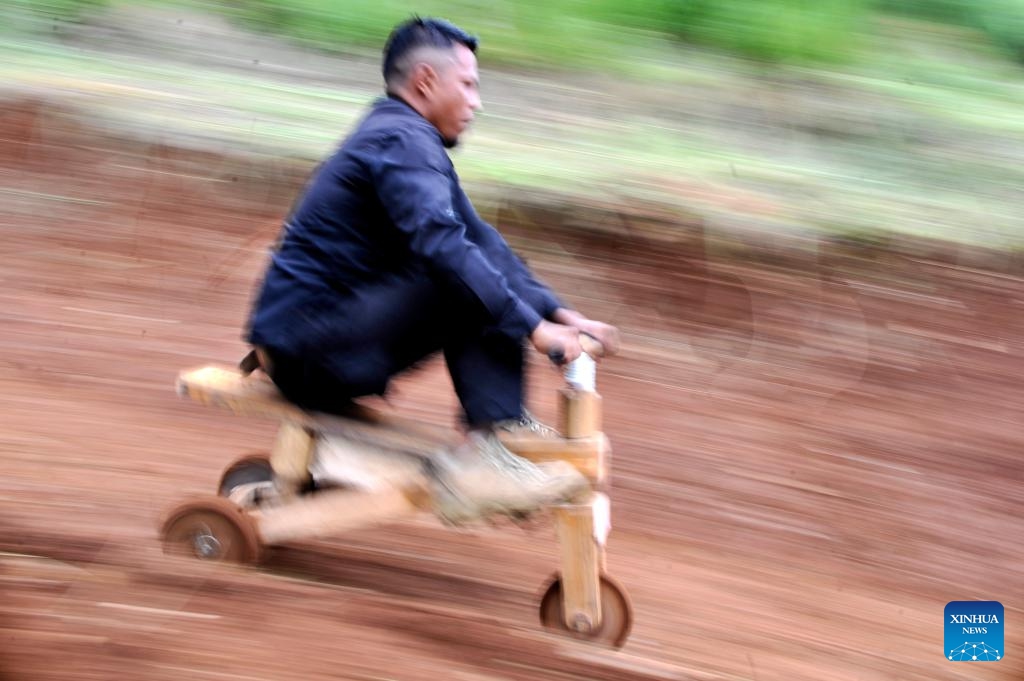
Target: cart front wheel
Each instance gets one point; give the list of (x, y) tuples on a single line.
[(616, 614)]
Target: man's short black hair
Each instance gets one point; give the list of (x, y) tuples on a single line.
[(416, 33)]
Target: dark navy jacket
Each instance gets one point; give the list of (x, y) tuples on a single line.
[(389, 202)]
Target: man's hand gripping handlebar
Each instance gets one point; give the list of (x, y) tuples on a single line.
[(564, 344)]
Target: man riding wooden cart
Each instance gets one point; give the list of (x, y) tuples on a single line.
[(382, 263)]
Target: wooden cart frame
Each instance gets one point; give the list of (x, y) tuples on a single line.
[(580, 601)]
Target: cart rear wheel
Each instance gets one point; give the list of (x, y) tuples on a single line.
[(212, 528), (253, 469)]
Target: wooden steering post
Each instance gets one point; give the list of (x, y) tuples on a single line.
[(582, 528), (582, 601)]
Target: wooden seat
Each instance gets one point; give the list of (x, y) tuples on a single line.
[(256, 395), (251, 395)]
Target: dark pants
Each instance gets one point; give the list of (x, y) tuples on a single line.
[(359, 341)]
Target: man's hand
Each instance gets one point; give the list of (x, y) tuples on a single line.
[(606, 334), (557, 339)]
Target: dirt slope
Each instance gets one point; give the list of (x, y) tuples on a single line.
[(810, 460)]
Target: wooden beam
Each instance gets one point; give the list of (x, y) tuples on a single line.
[(580, 412), (582, 557), (590, 455), (329, 512), (291, 456)]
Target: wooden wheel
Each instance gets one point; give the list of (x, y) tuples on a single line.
[(252, 470), (616, 614), (212, 528)]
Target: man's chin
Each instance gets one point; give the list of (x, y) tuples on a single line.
[(450, 142)]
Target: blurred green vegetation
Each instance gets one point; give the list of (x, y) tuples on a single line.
[(918, 132), (572, 33), (564, 33), (773, 30), (1001, 20), (41, 16), (600, 32), (605, 32), (70, 10)]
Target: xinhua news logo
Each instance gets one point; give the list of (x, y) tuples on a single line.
[(974, 631)]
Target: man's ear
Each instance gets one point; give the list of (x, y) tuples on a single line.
[(424, 79)]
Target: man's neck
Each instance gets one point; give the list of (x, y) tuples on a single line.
[(405, 99), (399, 96)]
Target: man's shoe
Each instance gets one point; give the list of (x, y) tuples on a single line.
[(525, 426), (492, 480)]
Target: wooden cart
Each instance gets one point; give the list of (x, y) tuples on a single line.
[(267, 500)]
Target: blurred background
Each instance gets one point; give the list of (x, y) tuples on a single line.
[(806, 218), (861, 118)]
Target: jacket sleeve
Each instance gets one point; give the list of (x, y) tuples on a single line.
[(415, 184), (522, 281)]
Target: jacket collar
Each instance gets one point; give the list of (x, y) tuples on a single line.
[(395, 103)]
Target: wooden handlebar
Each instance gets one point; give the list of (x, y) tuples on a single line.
[(591, 346)]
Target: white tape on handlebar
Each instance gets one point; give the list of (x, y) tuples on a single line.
[(582, 373)]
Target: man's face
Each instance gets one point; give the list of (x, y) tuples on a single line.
[(455, 94)]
